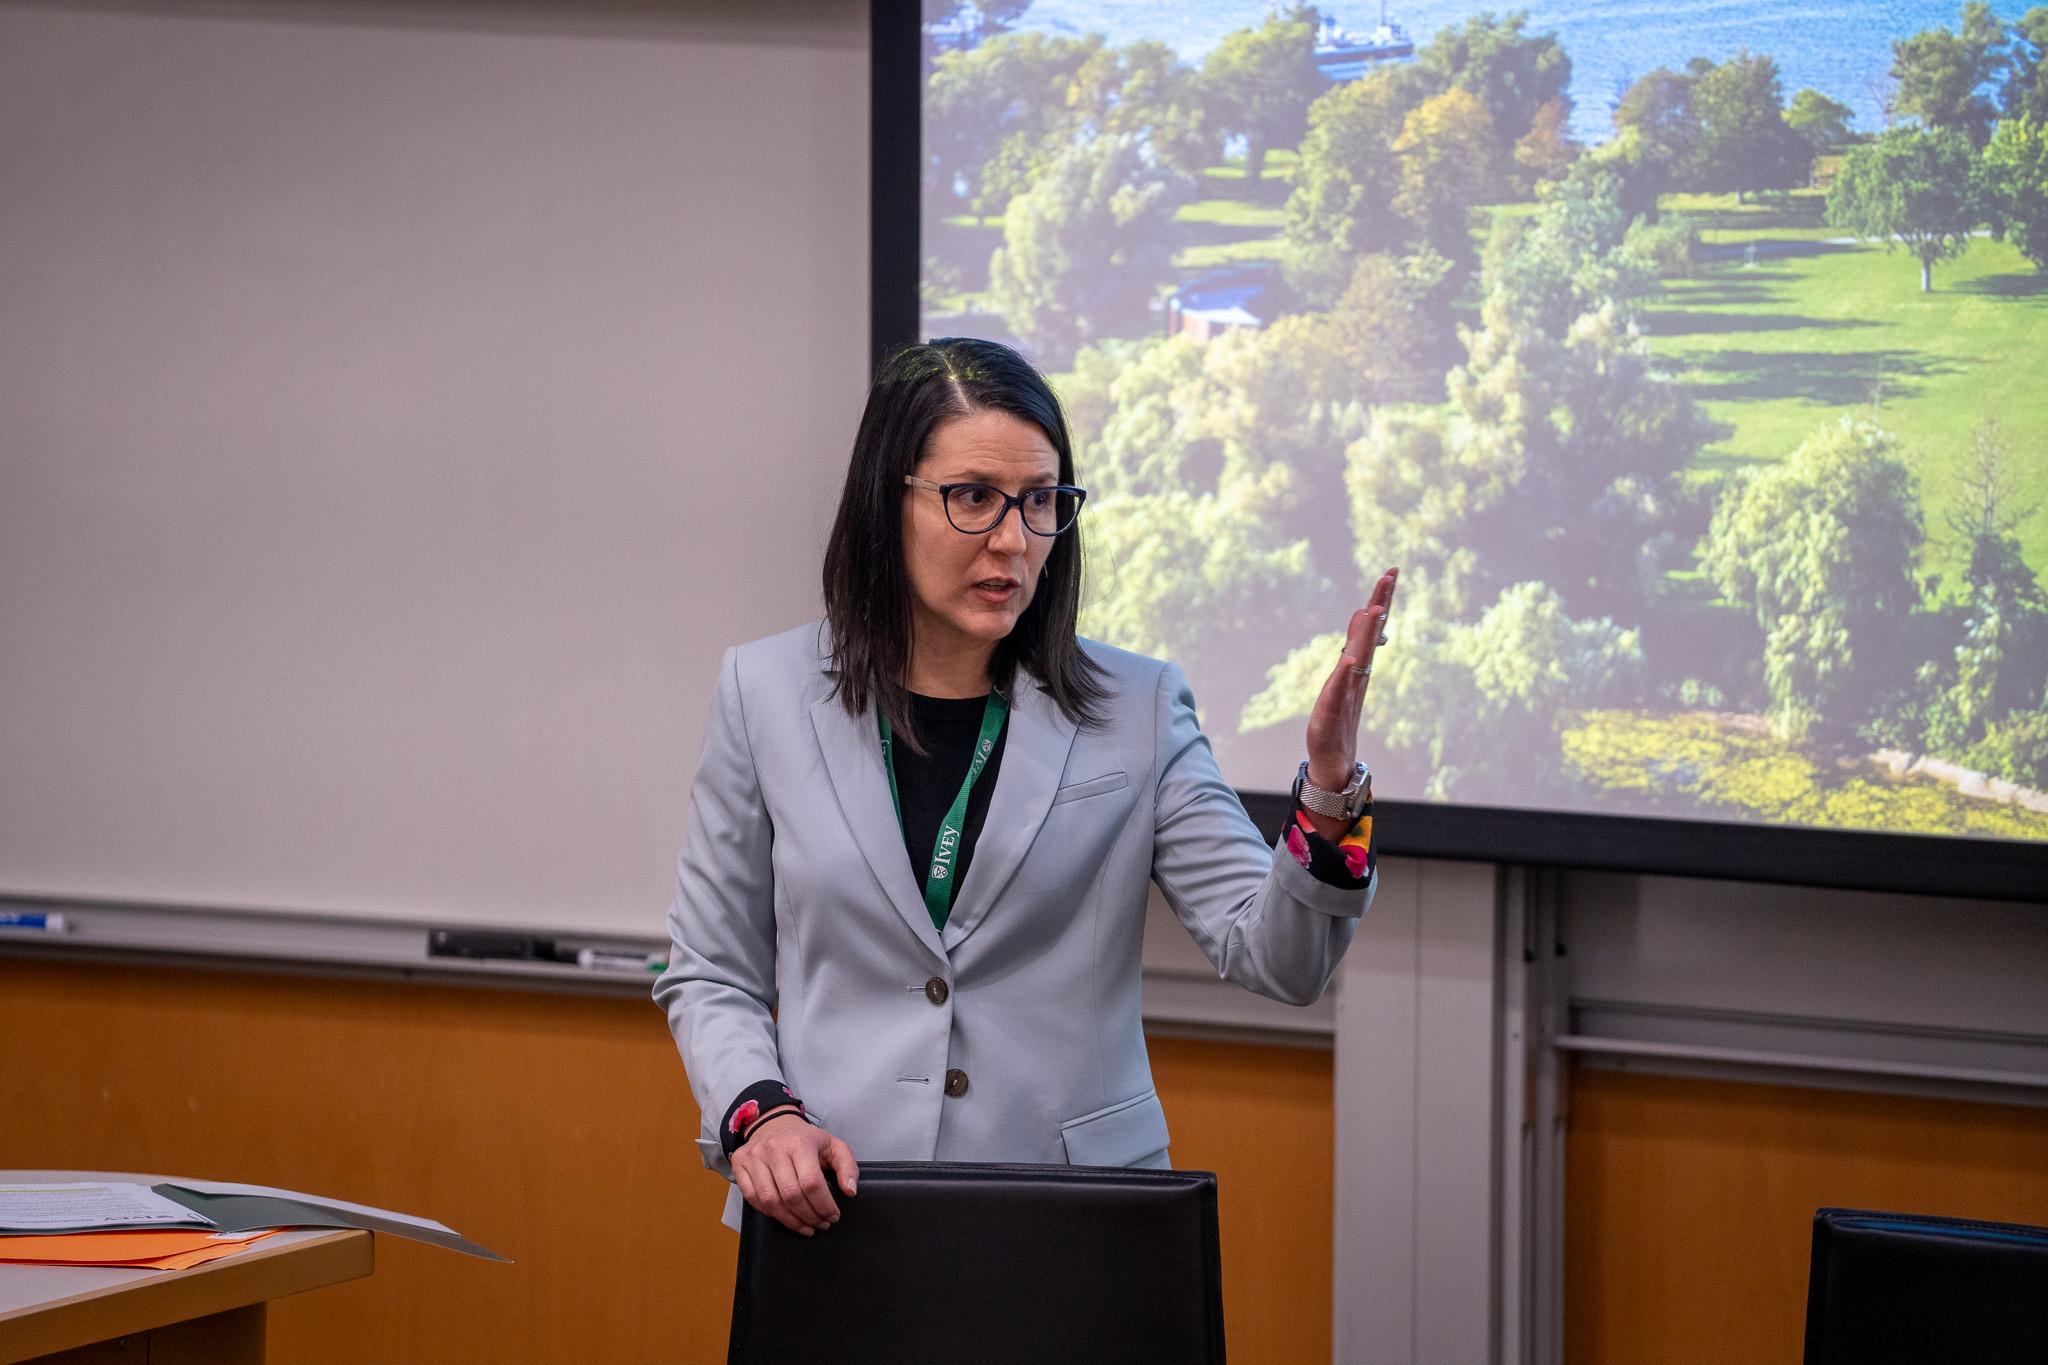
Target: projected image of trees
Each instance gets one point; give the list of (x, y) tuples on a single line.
[(1708, 421)]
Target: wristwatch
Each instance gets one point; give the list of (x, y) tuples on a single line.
[(1348, 804)]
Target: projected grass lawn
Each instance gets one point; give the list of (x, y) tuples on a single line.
[(1228, 231), (1777, 348)]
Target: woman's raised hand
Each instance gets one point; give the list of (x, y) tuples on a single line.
[(1333, 724), (781, 1171)]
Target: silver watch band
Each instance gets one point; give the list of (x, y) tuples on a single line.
[(1344, 805)]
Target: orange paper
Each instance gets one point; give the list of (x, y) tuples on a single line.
[(151, 1249)]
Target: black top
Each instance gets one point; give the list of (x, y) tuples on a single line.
[(927, 783)]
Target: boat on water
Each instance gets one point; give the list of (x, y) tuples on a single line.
[(1343, 55)]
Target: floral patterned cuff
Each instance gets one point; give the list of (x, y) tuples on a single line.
[(756, 1100), (1347, 864)]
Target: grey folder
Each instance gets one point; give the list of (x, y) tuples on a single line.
[(244, 1212)]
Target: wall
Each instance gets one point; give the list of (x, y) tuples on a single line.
[(404, 407), (1748, 1053), (1689, 1197), (554, 1129), (1415, 1011), (1689, 1202)]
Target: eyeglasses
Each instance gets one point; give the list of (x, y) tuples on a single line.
[(975, 508)]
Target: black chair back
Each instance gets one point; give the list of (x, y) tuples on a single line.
[(990, 1265), (1899, 1289)]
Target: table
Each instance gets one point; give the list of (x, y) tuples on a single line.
[(212, 1314)]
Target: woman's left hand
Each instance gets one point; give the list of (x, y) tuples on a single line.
[(1333, 724)]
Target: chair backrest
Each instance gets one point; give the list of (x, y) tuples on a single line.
[(1895, 1287), (993, 1265)]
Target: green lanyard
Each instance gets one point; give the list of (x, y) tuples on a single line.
[(938, 882)]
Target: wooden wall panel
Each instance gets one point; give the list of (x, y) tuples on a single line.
[(1689, 1203), (1263, 1119), (555, 1129)]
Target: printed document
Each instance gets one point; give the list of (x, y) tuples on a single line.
[(83, 1205)]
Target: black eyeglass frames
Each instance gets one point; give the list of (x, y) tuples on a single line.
[(976, 508)]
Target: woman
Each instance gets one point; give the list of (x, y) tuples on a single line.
[(912, 891)]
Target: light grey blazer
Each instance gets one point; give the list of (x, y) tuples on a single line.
[(803, 949)]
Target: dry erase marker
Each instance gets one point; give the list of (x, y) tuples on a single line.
[(591, 959), (23, 919)]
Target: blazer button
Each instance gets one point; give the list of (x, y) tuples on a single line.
[(956, 1083), (935, 990)]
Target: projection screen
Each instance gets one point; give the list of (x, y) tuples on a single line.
[(1685, 359)]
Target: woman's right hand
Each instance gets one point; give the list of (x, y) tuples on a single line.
[(780, 1170)]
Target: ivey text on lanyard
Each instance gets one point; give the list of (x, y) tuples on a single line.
[(938, 879)]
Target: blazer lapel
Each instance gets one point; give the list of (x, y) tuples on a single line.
[(852, 746), (1034, 757)]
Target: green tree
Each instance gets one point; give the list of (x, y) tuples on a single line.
[(2026, 86), (1203, 579), (990, 110), (1553, 459), (1556, 447), (1823, 122), (1262, 81), (1389, 332), (1560, 440), (1214, 470), (2015, 748), (1744, 141), (1552, 463), (1658, 113), (2016, 184), (1822, 547), (1142, 91), (1711, 128), (1449, 164), (1478, 707), (1084, 251), (1342, 206), (2000, 663), (1513, 75), (1943, 76), (996, 115), (1913, 186), (1639, 169), (997, 16), (1218, 512), (987, 17), (1574, 255), (1544, 154)]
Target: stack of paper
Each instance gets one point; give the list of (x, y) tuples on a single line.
[(168, 1225), (110, 1223), (84, 1206)]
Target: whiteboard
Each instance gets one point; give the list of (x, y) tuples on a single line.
[(388, 416)]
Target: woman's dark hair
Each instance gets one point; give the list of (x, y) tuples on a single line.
[(867, 585)]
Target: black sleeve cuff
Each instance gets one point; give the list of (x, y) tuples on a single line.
[(756, 1100)]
